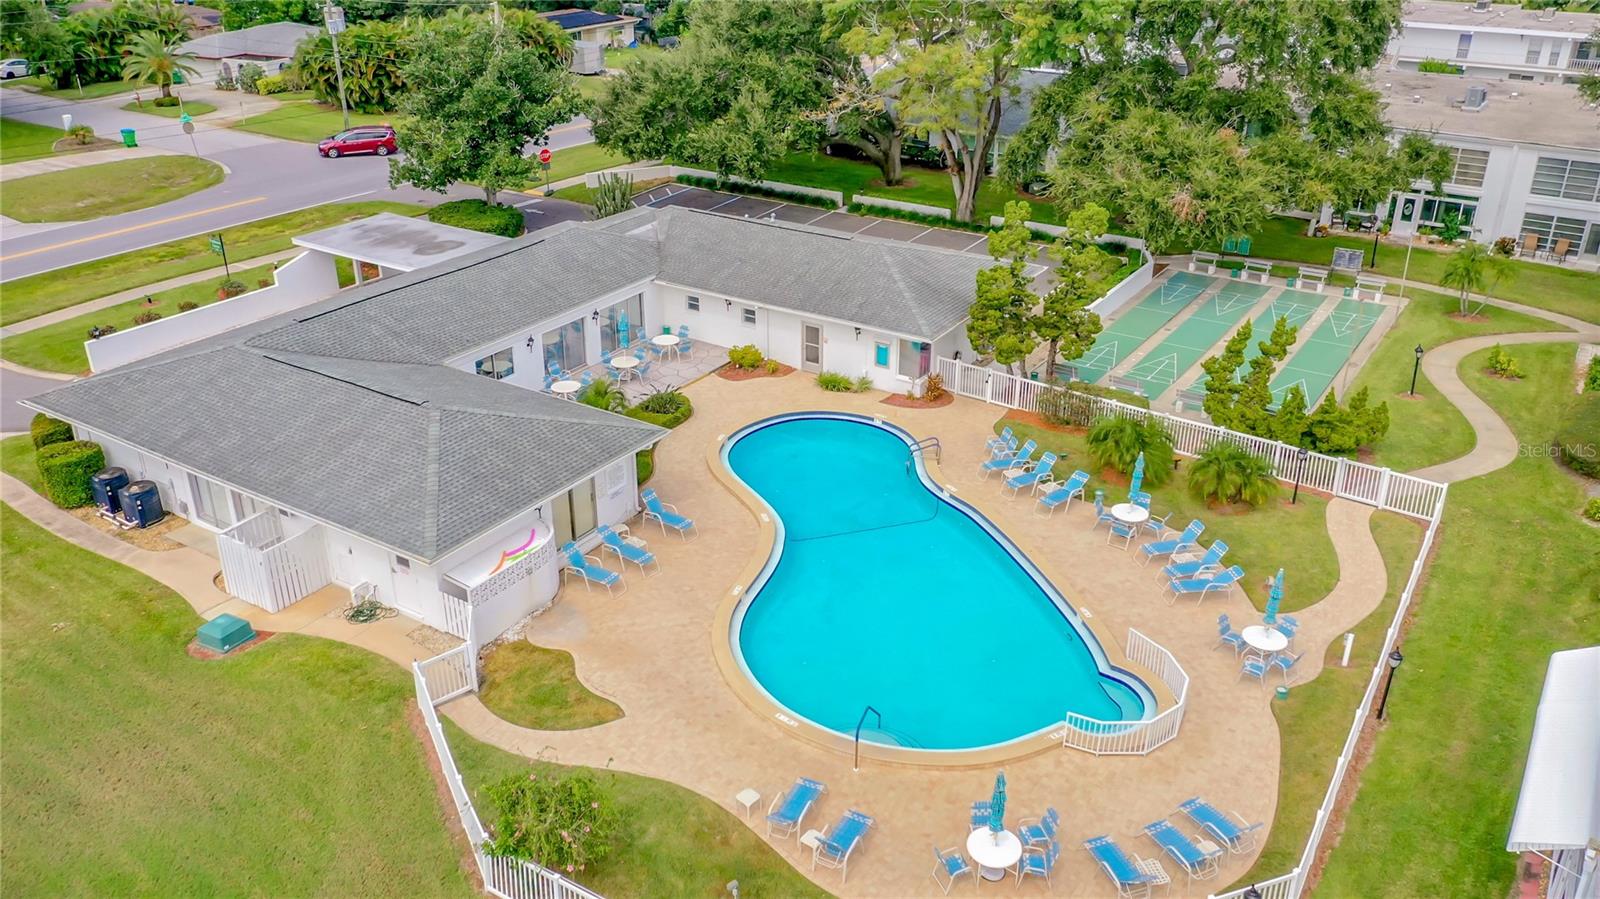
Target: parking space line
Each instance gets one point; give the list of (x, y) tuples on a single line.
[(722, 204)]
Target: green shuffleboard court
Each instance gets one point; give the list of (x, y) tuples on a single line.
[(1198, 333), (1295, 305), (1321, 355), (1134, 326)]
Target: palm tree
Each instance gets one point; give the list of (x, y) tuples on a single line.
[(1472, 269), (1226, 472), (151, 60), (1116, 442)]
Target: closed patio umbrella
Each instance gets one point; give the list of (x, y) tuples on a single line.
[(997, 805), (1274, 598), (622, 329), (1138, 476)]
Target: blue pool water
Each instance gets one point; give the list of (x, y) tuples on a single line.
[(883, 593)]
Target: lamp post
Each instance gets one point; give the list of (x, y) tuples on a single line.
[(1414, 367), (1299, 470), (1395, 658)]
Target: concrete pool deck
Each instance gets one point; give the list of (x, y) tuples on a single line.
[(651, 650)]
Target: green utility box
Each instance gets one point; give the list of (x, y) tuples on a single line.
[(225, 632)]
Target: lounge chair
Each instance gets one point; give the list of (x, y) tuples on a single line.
[(1201, 587), (1186, 541), (1123, 871), (1256, 667), (1006, 461), (1238, 835), (1211, 561), (1284, 662), (1039, 863), (1029, 475), (1198, 863), (665, 514), (1121, 531), (1101, 514), (1041, 830), (788, 810), (1006, 440), (1061, 493), (835, 845), (952, 864), (1007, 447), (627, 549), (1226, 635), (589, 569)]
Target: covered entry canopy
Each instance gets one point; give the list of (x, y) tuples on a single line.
[(397, 243)]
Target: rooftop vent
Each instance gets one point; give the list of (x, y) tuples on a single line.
[(1477, 98), (1548, 14), (1481, 5)]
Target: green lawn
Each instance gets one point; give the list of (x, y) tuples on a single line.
[(59, 347), (192, 107), (21, 140), (625, 57), (16, 459), (307, 120), (130, 768), (1515, 579), (105, 189), (46, 87), (1277, 535), (1427, 429), (537, 687), (27, 297), (919, 185), (1559, 289), (579, 160), (671, 842)]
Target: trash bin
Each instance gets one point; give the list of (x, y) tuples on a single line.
[(128, 139)]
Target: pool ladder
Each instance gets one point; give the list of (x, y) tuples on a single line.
[(925, 444), (859, 722)]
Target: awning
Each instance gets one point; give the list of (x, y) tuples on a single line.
[(1559, 806), (397, 243)]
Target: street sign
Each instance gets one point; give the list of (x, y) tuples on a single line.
[(333, 17), (216, 244), (186, 118), (544, 155)]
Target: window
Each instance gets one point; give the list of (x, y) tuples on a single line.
[(1470, 166), (402, 565), (1567, 178), (880, 354), (1464, 46), (496, 365), (916, 358), (1434, 209), (563, 347), (693, 303), (748, 315), (1518, 76), (1553, 228), (1535, 48)]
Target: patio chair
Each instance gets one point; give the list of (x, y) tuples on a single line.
[(1123, 871), (952, 864), (1198, 863), (1226, 635), (1560, 250), (1061, 493), (1256, 667), (1238, 835), (549, 381), (1285, 662), (1101, 514), (665, 514), (685, 345), (1040, 830), (627, 549), (1140, 499), (1025, 475), (1005, 461), (980, 814), (788, 809), (1039, 863), (1530, 245), (589, 569), (1201, 587), (1287, 625), (1211, 561), (586, 378), (554, 371), (1121, 531), (1006, 439), (833, 848), (1183, 542)]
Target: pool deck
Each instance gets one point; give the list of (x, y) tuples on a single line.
[(653, 651)]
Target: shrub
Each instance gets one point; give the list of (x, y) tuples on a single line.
[(603, 394), (249, 75), (933, 388), (164, 102), (66, 469), (82, 135), (186, 305), (230, 288), (146, 317), (862, 384), (225, 80), (1505, 246), (772, 366), (1072, 404), (1501, 363), (1591, 510), (46, 430), (834, 382), (1438, 67), (1226, 472), (612, 195), (1116, 442), (644, 465), (1578, 440), (745, 357), (1591, 380), (272, 84), (564, 823), (934, 221), (756, 190), (99, 331), (476, 215), (664, 408)]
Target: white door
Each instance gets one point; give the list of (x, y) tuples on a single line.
[(810, 347)]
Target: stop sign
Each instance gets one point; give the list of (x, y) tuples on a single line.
[(544, 155)]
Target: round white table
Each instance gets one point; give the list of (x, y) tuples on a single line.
[(667, 342), (1128, 513), (624, 365), (566, 389), (1266, 639), (994, 852)]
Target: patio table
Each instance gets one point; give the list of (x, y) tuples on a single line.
[(566, 389), (1268, 640), (624, 366), (1128, 513), (994, 852), (667, 342)]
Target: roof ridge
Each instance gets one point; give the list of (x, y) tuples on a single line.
[(625, 421), (908, 302)]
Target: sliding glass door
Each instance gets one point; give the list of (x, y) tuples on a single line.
[(575, 512), (622, 323), (564, 347)]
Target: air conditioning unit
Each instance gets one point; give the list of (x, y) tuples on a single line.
[(1481, 5), (1477, 98)]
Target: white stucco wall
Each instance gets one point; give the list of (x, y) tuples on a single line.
[(528, 364)]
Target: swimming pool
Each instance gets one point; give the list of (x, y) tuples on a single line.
[(881, 591)]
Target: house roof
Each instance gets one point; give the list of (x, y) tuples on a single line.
[(574, 19), (398, 243), (273, 40), (1554, 115), (1559, 804), (1457, 15)]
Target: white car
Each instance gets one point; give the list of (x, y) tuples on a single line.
[(14, 68)]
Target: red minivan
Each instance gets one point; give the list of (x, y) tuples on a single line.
[(377, 139)]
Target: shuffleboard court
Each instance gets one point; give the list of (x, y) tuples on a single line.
[(1198, 333), (1296, 305), (1316, 363), (1135, 325)]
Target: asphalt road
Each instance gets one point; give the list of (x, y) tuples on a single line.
[(17, 386), (267, 177)]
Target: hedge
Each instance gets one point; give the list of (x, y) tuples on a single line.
[(1578, 441), (476, 215), (67, 469), (47, 430), (756, 190), (664, 420), (933, 221)]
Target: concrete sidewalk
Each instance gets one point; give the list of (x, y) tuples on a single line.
[(64, 161)]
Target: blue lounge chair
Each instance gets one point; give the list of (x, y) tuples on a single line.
[(788, 810), (1254, 666), (1029, 475), (1226, 635), (980, 814), (1121, 531), (1039, 863), (1238, 835), (1131, 882), (1211, 561), (1201, 587), (1283, 662), (665, 514), (1199, 865), (952, 864), (1102, 515), (1041, 830), (626, 550), (1006, 439), (1061, 493), (834, 846), (1186, 541), (589, 569), (1006, 448), (1006, 461)]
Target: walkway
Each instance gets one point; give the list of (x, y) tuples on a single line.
[(63, 161)]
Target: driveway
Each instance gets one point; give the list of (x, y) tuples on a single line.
[(14, 386)]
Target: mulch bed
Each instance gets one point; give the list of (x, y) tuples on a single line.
[(732, 373), (902, 401), (153, 538), (205, 654), (71, 145), (447, 802)]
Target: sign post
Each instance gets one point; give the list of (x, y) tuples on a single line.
[(333, 19), (544, 163), (221, 249)]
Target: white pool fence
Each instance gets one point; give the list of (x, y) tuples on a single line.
[(1135, 737)]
